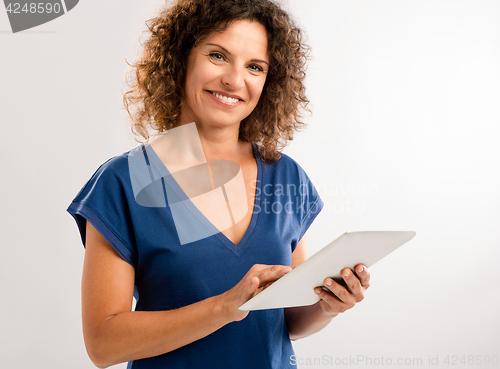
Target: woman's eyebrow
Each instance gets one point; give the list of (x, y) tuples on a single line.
[(227, 52)]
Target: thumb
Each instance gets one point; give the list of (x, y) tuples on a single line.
[(254, 284)]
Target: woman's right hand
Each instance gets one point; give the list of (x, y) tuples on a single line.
[(257, 278)]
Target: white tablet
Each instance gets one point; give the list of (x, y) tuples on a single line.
[(352, 248)]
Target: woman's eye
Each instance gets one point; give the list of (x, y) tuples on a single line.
[(256, 68), (216, 56)]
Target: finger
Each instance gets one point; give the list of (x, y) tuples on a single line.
[(338, 290), (353, 284), (363, 275), (254, 285), (333, 303), (272, 273)]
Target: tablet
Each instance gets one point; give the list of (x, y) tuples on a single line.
[(352, 248)]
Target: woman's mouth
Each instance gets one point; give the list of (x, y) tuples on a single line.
[(227, 100)]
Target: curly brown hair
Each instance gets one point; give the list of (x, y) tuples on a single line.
[(158, 76)]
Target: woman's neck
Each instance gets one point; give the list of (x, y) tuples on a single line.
[(222, 143)]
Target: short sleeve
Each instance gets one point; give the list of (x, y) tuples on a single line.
[(311, 203), (104, 202)]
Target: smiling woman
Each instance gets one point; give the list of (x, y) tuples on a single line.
[(158, 77), (219, 80), (225, 76)]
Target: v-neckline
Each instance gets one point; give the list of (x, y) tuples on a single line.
[(238, 249)]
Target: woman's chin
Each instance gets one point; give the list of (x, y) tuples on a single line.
[(218, 123)]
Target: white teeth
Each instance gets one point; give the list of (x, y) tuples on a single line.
[(225, 98)]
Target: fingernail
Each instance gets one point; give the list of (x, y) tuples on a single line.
[(347, 274), (328, 282), (317, 290), (286, 270), (360, 270)]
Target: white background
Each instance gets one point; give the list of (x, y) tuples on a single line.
[(404, 136)]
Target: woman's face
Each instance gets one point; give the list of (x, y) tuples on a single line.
[(225, 76)]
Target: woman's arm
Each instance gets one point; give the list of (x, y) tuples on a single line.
[(114, 334), (305, 320)]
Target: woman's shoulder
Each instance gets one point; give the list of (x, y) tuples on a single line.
[(288, 160), (285, 162), (110, 175), (118, 165)]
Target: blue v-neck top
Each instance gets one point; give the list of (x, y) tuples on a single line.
[(170, 275)]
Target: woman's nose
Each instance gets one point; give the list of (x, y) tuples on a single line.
[(233, 78)]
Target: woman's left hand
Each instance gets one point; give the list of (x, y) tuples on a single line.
[(338, 298)]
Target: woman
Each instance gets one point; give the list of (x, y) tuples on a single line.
[(235, 69)]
